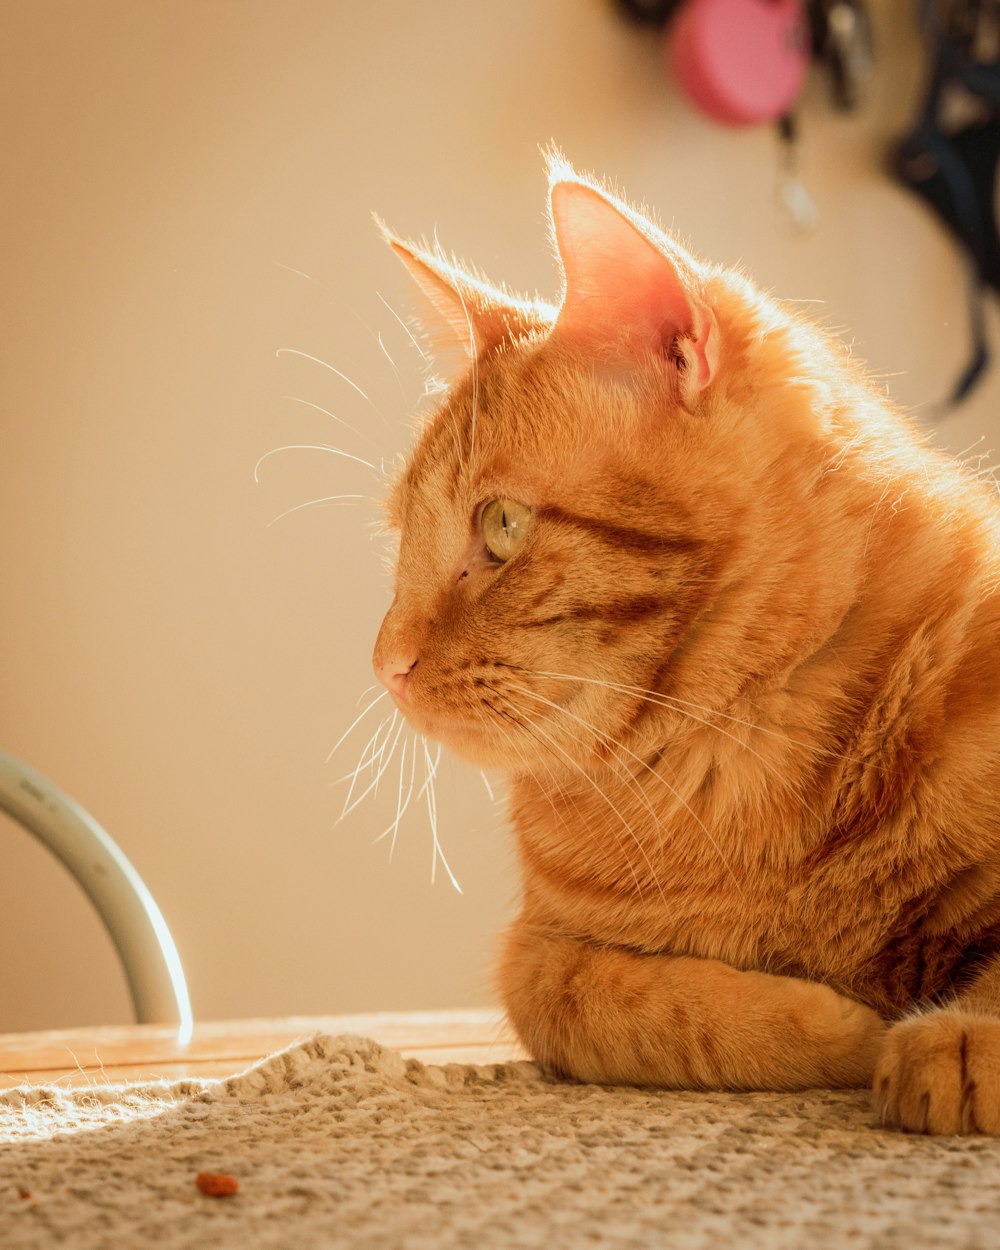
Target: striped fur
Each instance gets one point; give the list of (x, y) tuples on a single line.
[(745, 678)]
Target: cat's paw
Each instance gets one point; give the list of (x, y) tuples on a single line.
[(940, 1073)]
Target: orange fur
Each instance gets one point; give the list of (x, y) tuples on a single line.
[(744, 675)]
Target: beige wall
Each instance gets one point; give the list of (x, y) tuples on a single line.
[(176, 663)]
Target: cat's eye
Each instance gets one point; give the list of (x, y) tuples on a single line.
[(505, 524)]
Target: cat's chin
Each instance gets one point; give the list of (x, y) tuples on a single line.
[(465, 738), (473, 748)]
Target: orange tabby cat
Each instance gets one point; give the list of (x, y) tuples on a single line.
[(670, 560)]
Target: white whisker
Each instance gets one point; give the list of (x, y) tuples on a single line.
[(673, 704), (363, 762), (294, 351), (300, 273), (297, 399), (312, 503), (380, 754), (373, 785), (406, 328), (379, 749), (429, 778), (672, 701), (374, 750), (535, 729), (334, 451), (437, 852), (531, 765), (393, 826), (395, 367), (489, 788), (385, 351), (607, 741), (357, 720), (367, 761), (399, 802), (653, 773), (636, 789), (409, 792)]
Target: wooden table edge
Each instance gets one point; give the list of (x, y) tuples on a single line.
[(113, 1054)]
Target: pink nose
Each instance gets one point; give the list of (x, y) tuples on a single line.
[(394, 672)]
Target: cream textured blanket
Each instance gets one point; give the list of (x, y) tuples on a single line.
[(339, 1142)]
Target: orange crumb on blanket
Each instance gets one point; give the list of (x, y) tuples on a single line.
[(217, 1184)]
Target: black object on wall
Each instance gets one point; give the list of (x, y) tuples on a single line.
[(950, 156)]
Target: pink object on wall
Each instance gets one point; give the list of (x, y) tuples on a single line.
[(740, 61)]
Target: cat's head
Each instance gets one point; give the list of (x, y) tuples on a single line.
[(620, 496)]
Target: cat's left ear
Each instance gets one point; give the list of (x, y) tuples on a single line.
[(629, 290), (463, 316)]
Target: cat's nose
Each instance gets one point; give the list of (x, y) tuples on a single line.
[(394, 671)]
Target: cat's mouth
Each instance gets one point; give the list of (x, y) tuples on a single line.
[(471, 738), (429, 718), (491, 710), (435, 723), (490, 726), (470, 728)]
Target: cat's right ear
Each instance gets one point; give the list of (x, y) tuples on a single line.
[(628, 288), (463, 317)]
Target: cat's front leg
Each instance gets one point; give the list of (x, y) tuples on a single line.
[(939, 1072), (606, 1014)]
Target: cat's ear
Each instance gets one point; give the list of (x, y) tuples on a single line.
[(463, 316), (629, 290)]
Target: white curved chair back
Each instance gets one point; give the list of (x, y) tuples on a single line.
[(140, 934)]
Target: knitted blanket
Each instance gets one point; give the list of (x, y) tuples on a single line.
[(338, 1142)]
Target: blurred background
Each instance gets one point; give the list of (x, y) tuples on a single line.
[(186, 222)]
